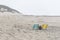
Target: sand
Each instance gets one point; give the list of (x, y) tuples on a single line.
[(19, 27)]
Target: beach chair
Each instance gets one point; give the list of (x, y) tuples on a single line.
[(36, 26), (44, 26)]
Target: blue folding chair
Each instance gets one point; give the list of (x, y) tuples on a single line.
[(36, 26)]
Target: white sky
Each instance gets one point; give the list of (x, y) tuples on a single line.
[(34, 7)]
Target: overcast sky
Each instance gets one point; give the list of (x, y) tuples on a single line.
[(34, 7)]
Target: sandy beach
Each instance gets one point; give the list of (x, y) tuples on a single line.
[(19, 27)]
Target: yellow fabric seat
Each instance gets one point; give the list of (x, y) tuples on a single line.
[(44, 26)]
